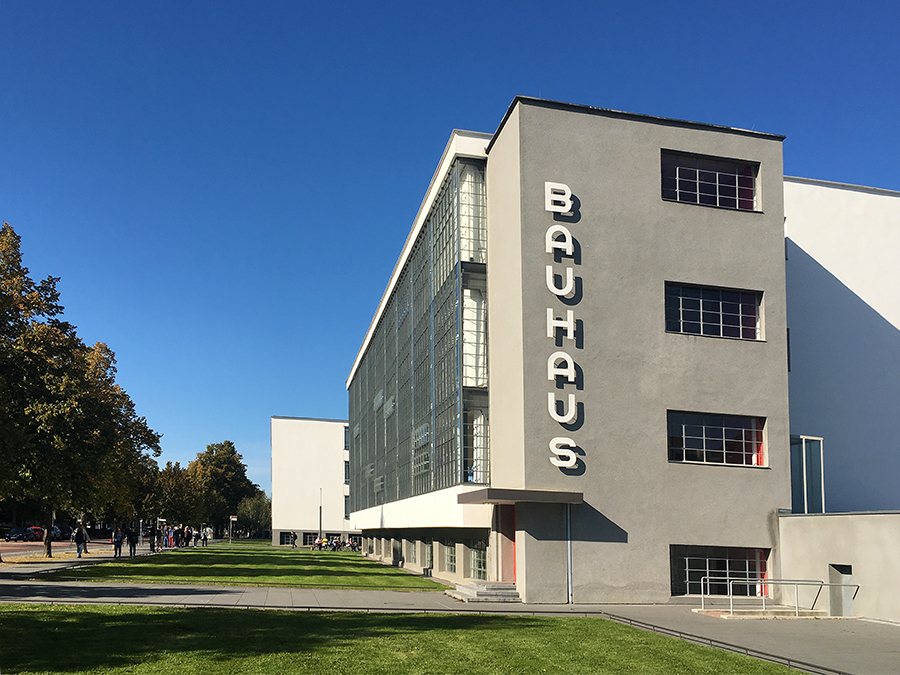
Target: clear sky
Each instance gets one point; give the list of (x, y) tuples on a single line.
[(224, 187)]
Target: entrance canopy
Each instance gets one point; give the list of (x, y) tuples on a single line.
[(514, 496)]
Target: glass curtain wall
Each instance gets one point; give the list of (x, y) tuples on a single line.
[(418, 400)]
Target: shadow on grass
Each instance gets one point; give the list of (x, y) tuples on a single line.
[(77, 639), (253, 567), (68, 639)]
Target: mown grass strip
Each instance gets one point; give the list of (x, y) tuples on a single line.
[(242, 566), (101, 639)]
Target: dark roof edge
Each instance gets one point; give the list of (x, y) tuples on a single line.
[(842, 186), (655, 119), (838, 513), (308, 419)]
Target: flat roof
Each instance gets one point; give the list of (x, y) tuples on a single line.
[(638, 117), (842, 186), (308, 419)]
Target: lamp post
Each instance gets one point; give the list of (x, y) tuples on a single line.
[(320, 513)]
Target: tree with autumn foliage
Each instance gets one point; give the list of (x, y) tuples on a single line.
[(222, 475), (69, 435)]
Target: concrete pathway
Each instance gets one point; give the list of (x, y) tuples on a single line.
[(854, 646)]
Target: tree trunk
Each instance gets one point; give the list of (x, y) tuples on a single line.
[(48, 532)]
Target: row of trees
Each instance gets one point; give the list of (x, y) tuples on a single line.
[(70, 438), (208, 490)]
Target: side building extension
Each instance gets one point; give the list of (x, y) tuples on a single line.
[(576, 380), (310, 480)]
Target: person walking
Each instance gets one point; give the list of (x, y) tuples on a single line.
[(293, 540), (132, 537), (80, 539), (118, 538)]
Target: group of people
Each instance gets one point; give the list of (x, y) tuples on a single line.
[(325, 544), (160, 538), (120, 537), (178, 537)]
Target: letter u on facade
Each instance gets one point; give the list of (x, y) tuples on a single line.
[(565, 290), (570, 412)]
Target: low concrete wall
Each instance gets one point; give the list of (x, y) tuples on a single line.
[(865, 546)]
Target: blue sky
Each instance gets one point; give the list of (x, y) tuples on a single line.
[(224, 187)]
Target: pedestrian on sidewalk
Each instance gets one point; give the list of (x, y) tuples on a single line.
[(132, 541), (80, 539), (118, 538)]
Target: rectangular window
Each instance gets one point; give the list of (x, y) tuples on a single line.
[(709, 181), (346, 472), (429, 554), (716, 439), (411, 551), (309, 538), (449, 556), (713, 311), (807, 480), (713, 566), (285, 539), (477, 559), (346, 507)]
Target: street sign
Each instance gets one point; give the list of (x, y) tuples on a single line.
[(233, 517)]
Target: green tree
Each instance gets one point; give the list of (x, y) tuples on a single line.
[(223, 475), (178, 496), (255, 513), (66, 427)]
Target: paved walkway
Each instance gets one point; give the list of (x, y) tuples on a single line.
[(853, 646)]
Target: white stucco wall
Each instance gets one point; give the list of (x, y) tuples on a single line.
[(854, 232), (308, 455), (437, 509), (869, 542), (843, 291)]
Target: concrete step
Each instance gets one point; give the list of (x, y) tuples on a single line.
[(482, 591), (777, 612)]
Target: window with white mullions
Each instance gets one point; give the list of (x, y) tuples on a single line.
[(477, 559), (716, 439), (710, 567), (713, 311), (709, 181)]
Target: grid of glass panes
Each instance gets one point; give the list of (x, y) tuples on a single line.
[(715, 439), (411, 551), (477, 559), (428, 549), (406, 395), (708, 181), (711, 311), (718, 564), (309, 538), (449, 546)]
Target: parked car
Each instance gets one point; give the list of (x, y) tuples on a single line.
[(55, 533), (37, 533), (18, 534), (65, 532)]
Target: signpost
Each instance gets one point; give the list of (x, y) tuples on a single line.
[(231, 522)]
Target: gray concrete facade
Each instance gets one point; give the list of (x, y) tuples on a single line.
[(630, 371)]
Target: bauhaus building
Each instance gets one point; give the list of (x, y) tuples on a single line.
[(576, 380)]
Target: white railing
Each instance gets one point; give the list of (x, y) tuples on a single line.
[(796, 583)]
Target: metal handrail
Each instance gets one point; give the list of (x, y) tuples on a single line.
[(730, 581)]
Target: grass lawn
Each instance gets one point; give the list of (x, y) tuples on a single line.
[(118, 639), (262, 566)]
